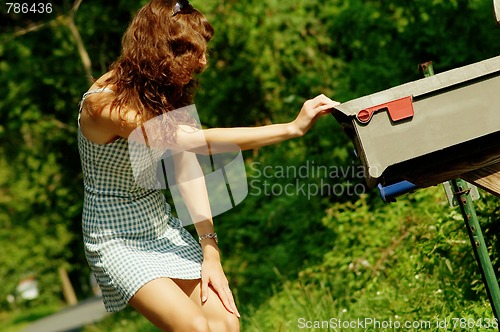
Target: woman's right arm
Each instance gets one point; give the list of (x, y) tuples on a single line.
[(222, 139), (216, 140)]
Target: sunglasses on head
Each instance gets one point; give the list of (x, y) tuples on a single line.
[(182, 7)]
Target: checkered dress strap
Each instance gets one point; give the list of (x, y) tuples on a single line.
[(91, 92), (80, 107)]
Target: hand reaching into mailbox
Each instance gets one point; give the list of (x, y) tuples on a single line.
[(311, 111)]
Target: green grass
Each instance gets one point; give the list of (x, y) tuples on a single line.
[(314, 308), (407, 262)]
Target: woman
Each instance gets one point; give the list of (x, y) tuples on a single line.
[(140, 254)]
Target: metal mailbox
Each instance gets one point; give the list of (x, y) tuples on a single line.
[(430, 130)]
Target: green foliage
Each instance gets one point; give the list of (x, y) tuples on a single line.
[(407, 261), (287, 256)]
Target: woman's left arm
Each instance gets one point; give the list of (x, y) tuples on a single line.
[(192, 186)]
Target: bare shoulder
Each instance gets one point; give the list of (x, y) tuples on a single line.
[(100, 123), (96, 121)]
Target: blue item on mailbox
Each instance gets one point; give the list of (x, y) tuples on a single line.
[(388, 193)]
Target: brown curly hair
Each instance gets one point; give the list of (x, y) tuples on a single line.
[(160, 56)]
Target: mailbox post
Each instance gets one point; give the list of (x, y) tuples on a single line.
[(461, 192)]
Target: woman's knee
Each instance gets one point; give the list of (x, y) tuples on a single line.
[(226, 323), (232, 323), (197, 324)]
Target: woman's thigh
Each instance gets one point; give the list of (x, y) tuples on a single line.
[(164, 304), (219, 318)]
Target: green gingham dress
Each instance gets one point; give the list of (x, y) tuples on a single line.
[(129, 234)]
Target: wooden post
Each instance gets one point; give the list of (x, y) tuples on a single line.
[(67, 288), (496, 6), (486, 178)]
